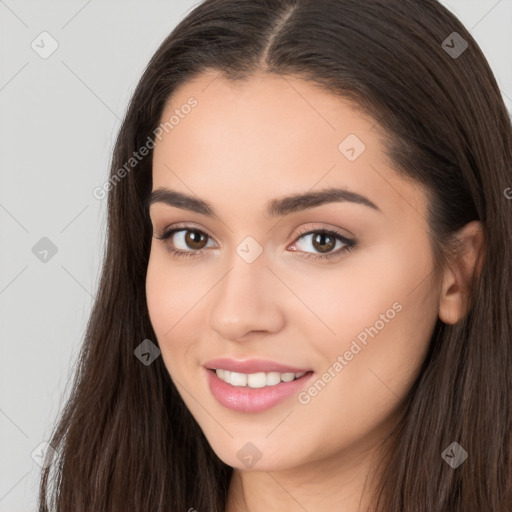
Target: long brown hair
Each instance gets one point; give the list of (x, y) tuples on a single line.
[(126, 441)]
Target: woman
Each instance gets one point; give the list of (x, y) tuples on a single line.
[(305, 301)]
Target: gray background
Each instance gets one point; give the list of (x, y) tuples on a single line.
[(58, 122)]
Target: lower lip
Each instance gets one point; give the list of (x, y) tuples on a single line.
[(251, 400)]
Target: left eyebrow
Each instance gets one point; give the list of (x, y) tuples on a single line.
[(275, 208)]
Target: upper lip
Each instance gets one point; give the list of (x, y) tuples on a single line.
[(251, 366)]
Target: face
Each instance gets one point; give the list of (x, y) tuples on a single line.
[(266, 285)]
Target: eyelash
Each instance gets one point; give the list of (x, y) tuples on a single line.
[(349, 244)]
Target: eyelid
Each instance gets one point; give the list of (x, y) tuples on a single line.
[(183, 226), (315, 228)]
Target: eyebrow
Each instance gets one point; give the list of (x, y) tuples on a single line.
[(275, 208)]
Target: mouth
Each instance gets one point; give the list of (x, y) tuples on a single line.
[(254, 392)]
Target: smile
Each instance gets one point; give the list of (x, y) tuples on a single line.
[(254, 392)]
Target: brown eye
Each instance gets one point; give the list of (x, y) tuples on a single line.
[(184, 241), (323, 242), (195, 239)]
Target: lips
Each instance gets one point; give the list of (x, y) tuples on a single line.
[(252, 366), (253, 400), (247, 400)]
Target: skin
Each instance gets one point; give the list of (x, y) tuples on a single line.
[(241, 146)]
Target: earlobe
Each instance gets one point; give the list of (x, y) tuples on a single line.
[(454, 299)]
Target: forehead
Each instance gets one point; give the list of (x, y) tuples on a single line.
[(266, 112), (271, 135)]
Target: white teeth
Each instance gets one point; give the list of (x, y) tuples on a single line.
[(273, 378), (238, 379), (256, 380)]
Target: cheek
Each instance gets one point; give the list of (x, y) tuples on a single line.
[(382, 312), (170, 294), (378, 310), (170, 291), (353, 294), (158, 296), (178, 302)]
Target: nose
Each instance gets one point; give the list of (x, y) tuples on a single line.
[(247, 300)]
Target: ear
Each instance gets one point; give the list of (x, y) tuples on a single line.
[(454, 300)]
